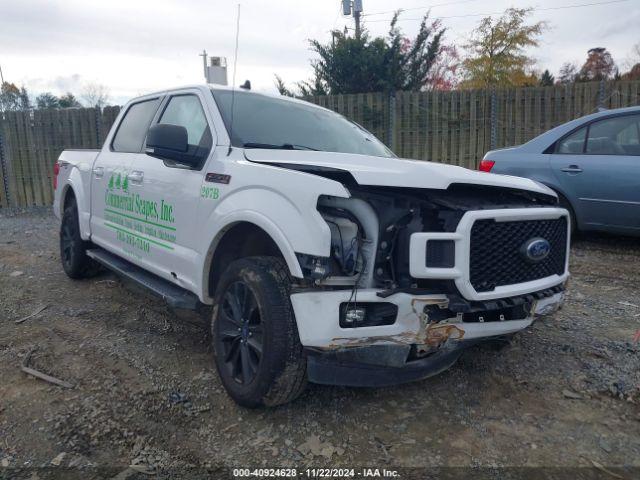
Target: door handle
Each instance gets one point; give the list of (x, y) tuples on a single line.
[(136, 177), (572, 169), (98, 172)]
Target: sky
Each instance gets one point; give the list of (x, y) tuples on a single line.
[(139, 46)]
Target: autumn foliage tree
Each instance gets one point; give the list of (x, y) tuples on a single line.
[(445, 72), (496, 51), (598, 66), (13, 98), (633, 64)]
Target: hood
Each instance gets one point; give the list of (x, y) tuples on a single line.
[(393, 172)]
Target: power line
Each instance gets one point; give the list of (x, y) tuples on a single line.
[(418, 8), (500, 13)]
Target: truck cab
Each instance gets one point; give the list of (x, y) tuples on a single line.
[(322, 256)]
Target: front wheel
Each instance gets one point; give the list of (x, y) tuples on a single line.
[(257, 348)]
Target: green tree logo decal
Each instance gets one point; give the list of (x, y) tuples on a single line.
[(125, 184), (111, 183), (119, 182)]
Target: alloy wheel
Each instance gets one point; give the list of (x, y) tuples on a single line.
[(240, 333), (67, 243)]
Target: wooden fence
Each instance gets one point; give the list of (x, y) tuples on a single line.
[(459, 127), (31, 141), (451, 127)]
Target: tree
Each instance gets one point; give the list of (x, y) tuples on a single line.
[(9, 97), (495, 51), (411, 62), (68, 100), (95, 95), (635, 54), (568, 73), (598, 66), (282, 87), (546, 80), (350, 64), (364, 64), (25, 101), (46, 101), (315, 86), (445, 73), (633, 64), (632, 74)]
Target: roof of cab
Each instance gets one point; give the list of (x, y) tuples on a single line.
[(215, 87)]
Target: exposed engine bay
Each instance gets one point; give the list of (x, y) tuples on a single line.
[(370, 231)]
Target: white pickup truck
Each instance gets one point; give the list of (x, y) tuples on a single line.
[(322, 256)]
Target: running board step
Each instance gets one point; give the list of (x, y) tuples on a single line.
[(174, 295)]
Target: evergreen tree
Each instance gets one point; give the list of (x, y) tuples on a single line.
[(46, 101), (68, 100), (546, 80), (361, 64)]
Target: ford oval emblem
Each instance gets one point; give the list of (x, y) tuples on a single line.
[(536, 249)]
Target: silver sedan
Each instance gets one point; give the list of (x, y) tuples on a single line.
[(593, 164)]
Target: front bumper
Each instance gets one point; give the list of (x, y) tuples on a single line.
[(413, 348)]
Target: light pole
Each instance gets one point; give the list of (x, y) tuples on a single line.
[(204, 62)]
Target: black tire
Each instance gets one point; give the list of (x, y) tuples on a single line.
[(73, 250), (255, 338)]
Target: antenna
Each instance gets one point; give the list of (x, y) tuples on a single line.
[(233, 84)]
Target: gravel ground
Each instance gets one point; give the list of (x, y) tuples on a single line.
[(564, 393)]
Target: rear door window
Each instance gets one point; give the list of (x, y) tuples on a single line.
[(132, 131), (615, 136)]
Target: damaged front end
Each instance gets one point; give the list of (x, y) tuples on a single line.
[(402, 294), (425, 338)]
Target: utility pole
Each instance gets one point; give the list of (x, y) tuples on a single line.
[(1, 76), (357, 10), (356, 6)]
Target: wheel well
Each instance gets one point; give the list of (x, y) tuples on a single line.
[(563, 201), (68, 195), (240, 240)]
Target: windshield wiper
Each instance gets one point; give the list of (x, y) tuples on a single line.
[(284, 146)]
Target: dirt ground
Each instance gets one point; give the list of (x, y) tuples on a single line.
[(565, 393)]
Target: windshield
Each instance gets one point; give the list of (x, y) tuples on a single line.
[(261, 121)]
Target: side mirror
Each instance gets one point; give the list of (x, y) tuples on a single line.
[(169, 142)]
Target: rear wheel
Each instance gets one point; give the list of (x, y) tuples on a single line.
[(564, 203), (257, 349), (73, 250)]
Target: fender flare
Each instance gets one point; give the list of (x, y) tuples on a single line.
[(75, 184), (259, 220)]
